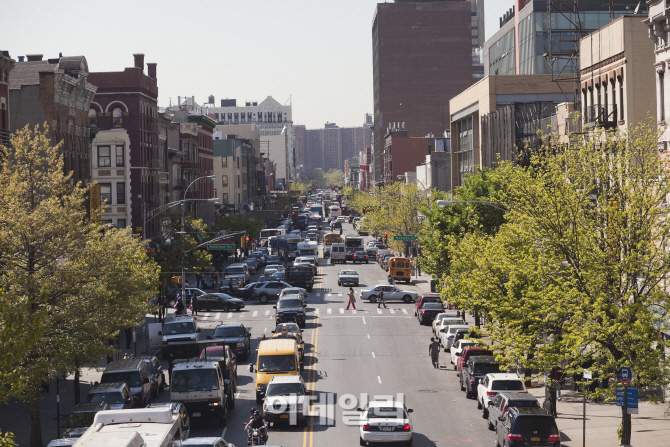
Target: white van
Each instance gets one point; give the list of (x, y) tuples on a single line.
[(338, 254)]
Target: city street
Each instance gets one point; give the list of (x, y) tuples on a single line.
[(369, 351)]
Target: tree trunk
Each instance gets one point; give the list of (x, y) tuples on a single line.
[(475, 311), (529, 371), (35, 421), (77, 387)]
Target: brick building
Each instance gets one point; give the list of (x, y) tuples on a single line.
[(127, 162), (422, 57), (56, 91), (6, 65), (401, 152)]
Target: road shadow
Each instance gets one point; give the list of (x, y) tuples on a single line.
[(244, 379)]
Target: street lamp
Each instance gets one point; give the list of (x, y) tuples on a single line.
[(403, 177)]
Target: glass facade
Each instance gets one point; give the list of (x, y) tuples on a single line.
[(502, 57), (465, 149)]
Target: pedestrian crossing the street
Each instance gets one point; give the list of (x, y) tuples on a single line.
[(331, 311)]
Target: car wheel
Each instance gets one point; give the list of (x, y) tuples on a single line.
[(263, 298), (497, 440), (485, 412), (462, 387), (468, 395), (224, 308), (407, 299), (490, 425), (162, 387), (479, 405), (154, 392), (454, 366), (362, 442), (259, 398), (409, 443), (339, 284)]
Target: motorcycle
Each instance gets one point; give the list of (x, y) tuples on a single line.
[(255, 436)]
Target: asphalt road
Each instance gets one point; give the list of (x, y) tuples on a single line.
[(352, 356)]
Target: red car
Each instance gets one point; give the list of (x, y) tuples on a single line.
[(469, 352), (426, 298)]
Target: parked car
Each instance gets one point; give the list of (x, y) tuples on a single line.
[(81, 418), (492, 384), (476, 367), (503, 401), (384, 421), (469, 352), (457, 348), (447, 337), (390, 293), (428, 311), (443, 320), (426, 298), (117, 395), (523, 426), (157, 373), (236, 336), (220, 301)]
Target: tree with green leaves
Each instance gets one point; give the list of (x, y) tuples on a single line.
[(69, 284), (577, 276)]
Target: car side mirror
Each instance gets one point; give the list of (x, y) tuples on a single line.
[(251, 367), (274, 307), (197, 330), (409, 410), (145, 380), (160, 332), (359, 409), (304, 305), (301, 331)]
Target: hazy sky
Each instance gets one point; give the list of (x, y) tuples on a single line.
[(317, 52)]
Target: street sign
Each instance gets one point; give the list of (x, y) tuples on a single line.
[(405, 238), (625, 375), (631, 396), (220, 246), (588, 375)]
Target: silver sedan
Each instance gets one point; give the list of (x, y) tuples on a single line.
[(390, 293)]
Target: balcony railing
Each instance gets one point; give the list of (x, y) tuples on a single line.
[(601, 115)]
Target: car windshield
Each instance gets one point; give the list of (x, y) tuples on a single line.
[(228, 332), (450, 322), (523, 403), (150, 365), (212, 352), (507, 385), (348, 272), (109, 398), (285, 303), (285, 389), (485, 368), (235, 270), (273, 258), (432, 306), (185, 327), (194, 380), (386, 412), (535, 424), (275, 363), (290, 327), (130, 378), (77, 420)]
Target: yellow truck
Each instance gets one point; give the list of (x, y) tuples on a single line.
[(275, 357)]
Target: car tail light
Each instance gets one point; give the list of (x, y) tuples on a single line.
[(423, 311), (472, 380), (405, 427), (554, 438), (366, 427), (514, 437), (491, 393)]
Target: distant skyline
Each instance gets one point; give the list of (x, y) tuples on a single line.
[(318, 54)]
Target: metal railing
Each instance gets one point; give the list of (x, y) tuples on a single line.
[(601, 115)]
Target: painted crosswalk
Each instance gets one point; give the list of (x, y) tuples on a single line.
[(264, 314)]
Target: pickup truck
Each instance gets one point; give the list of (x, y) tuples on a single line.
[(348, 277)]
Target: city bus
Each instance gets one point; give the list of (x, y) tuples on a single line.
[(316, 209), (268, 232), (351, 243), (332, 238), (335, 210), (287, 246)]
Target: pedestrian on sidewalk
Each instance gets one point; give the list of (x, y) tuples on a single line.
[(179, 306), (352, 298), (194, 305), (381, 300), (129, 337), (186, 285)]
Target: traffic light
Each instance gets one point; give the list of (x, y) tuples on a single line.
[(386, 237), (243, 242), (304, 199), (176, 279), (309, 193), (364, 209), (342, 209), (247, 239)]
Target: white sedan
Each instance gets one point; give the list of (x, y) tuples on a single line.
[(447, 337), (440, 317), (457, 348), (390, 293), (385, 421)]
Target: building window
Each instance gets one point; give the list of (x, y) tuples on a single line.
[(121, 223), (661, 97), (121, 193), (120, 158), (117, 118), (621, 103), (224, 196), (238, 181), (216, 193), (104, 157), (106, 193), (224, 180), (92, 118), (224, 162)]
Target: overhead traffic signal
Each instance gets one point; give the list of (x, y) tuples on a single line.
[(386, 237), (364, 209)]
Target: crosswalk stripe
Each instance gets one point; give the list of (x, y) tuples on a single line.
[(267, 312), (230, 315), (354, 311), (330, 294), (217, 316), (392, 311), (341, 310), (404, 311), (255, 314), (316, 311), (379, 310), (329, 311)]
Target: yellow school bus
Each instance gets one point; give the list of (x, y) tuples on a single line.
[(400, 269), (332, 238)]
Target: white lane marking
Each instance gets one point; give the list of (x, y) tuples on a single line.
[(329, 311), (354, 312), (392, 311), (341, 310), (373, 355), (339, 294), (267, 312), (255, 314), (230, 315), (217, 316), (224, 432), (265, 330), (330, 294), (379, 310), (363, 320), (404, 311), (316, 311), (368, 336), (380, 379)]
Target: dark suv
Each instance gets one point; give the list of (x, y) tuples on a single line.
[(117, 395), (82, 417), (503, 401), (476, 367), (523, 427), (291, 310), (134, 373)]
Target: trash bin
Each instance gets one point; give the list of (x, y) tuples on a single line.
[(433, 284)]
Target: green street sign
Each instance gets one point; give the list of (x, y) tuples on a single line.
[(405, 238), (220, 246)]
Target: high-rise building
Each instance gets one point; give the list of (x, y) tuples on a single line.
[(6, 65), (422, 57)]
